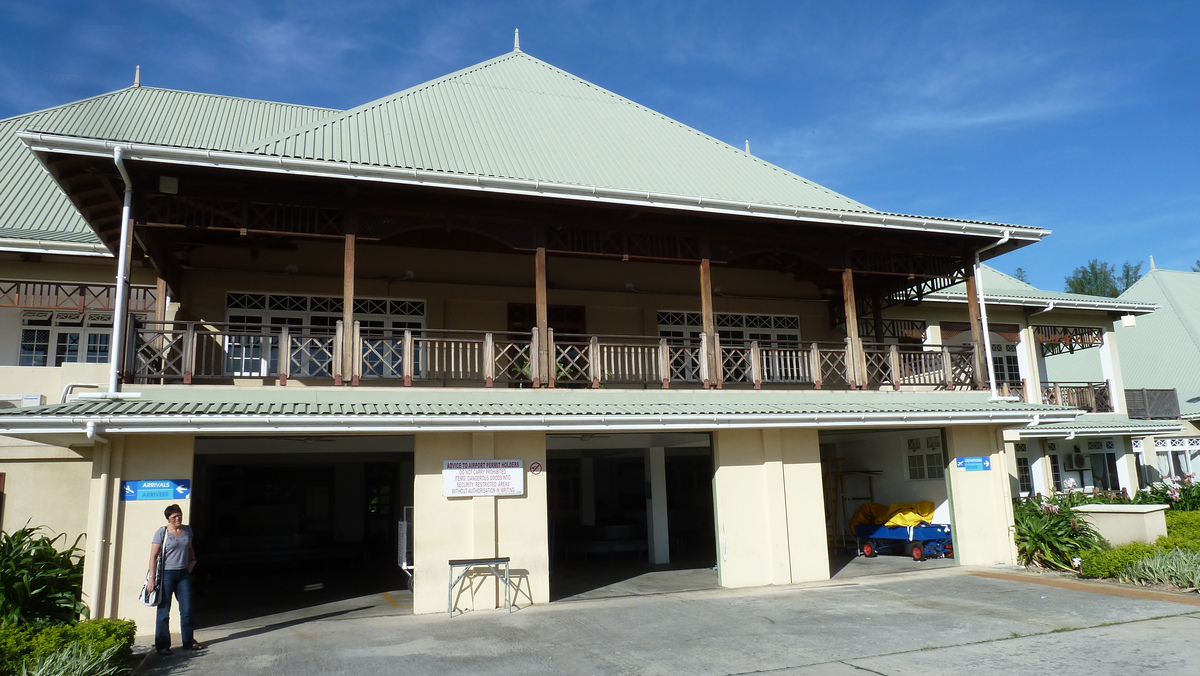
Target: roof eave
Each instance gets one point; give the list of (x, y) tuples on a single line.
[(50, 247), (1132, 430), (1044, 304), (46, 143)]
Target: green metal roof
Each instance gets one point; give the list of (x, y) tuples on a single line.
[(274, 410), (1163, 350), (32, 207), (1103, 424), (1003, 289), (517, 117)]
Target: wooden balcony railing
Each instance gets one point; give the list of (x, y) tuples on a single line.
[(1092, 397), (187, 352)]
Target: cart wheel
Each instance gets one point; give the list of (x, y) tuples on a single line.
[(917, 551), (869, 549), (949, 551)]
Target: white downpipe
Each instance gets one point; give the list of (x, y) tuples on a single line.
[(95, 564), (122, 305), (987, 339)]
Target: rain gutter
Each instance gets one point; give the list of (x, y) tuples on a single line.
[(50, 247)]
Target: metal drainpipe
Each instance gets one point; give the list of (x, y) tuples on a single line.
[(987, 340), (122, 305)]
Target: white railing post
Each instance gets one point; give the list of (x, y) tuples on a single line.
[(894, 363), (704, 374), (594, 361), (551, 358), (406, 358), (664, 363), (535, 357), (338, 344), (489, 359), (755, 365), (285, 354)]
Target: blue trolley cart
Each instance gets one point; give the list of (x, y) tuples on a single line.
[(928, 540)]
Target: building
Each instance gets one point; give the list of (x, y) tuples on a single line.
[(660, 332)]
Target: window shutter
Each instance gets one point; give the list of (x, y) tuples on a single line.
[(1135, 404)]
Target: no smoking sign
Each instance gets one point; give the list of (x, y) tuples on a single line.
[(535, 468)]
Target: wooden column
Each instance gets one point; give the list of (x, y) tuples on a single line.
[(160, 300), (710, 332), (544, 357), (859, 366), (977, 359), (348, 350)]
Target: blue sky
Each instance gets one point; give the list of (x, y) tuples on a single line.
[(1080, 117)]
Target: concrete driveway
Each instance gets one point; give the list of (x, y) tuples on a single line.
[(939, 621)]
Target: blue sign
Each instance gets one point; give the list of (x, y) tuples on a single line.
[(157, 489), (973, 464)]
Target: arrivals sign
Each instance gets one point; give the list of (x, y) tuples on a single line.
[(157, 489), (472, 478)]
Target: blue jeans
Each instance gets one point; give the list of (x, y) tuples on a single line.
[(179, 583)]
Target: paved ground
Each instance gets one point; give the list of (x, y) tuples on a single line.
[(934, 620)]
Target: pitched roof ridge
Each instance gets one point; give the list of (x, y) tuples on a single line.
[(255, 146)]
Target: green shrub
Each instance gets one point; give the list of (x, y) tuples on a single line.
[(1049, 534), (1183, 531), (77, 659), (38, 582), (1178, 567), (19, 643), (1110, 562)]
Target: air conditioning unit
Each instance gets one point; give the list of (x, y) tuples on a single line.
[(1077, 462), (21, 400)]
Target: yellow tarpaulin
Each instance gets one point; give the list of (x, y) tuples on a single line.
[(895, 514)]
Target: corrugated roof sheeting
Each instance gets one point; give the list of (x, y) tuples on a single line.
[(997, 284), (33, 207), (520, 118), (1163, 350)]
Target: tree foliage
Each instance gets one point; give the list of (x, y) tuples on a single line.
[(1098, 278), (1024, 276)]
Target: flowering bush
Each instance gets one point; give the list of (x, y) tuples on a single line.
[(1181, 494), (1049, 534)]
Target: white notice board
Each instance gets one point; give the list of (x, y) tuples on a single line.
[(471, 478)]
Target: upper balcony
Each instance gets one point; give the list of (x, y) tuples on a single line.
[(197, 352)]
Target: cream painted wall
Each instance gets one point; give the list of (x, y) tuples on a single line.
[(51, 492), (144, 457), (769, 507), (480, 527), (49, 381), (981, 501)]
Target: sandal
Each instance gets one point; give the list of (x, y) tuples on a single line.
[(163, 651), (194, 645)]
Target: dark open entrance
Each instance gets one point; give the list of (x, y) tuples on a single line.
[(627, 509), (283, 523)]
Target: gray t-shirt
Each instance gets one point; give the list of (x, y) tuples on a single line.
[(176, 548)]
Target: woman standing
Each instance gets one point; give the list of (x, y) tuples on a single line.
[(174, 542)]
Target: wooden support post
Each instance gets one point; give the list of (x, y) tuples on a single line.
[(160, 300), (814, 365), (947, 368), (756, 365), (594, 361), (339, 351), (189, 353), (285, 354), (544, 357), (709, 356), (348, 350), (552, 358), (535, 350), (406, 358), (489, 359), (664, 363), (854, 351), (979, 366), (894, 365), (1058, 400)]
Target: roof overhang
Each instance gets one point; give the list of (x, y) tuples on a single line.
[(1047, 304), (51, 247), (561, 411), (1103, 428), (41, 144)]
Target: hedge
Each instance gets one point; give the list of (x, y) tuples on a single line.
[(21, 643)]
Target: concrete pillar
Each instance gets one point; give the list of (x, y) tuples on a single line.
[(1150, 460), (1031, 365), (776, 495), (1110, 367), (1126, 465), (657, 532), (587, 492), (982, 500)]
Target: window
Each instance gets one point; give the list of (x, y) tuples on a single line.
[(925, 459), (1004, 361), (51, 338), (1176, 456), (1055, 475), (1024, 477), (1104, 471)]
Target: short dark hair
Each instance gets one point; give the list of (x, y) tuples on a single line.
[(172, 509)]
